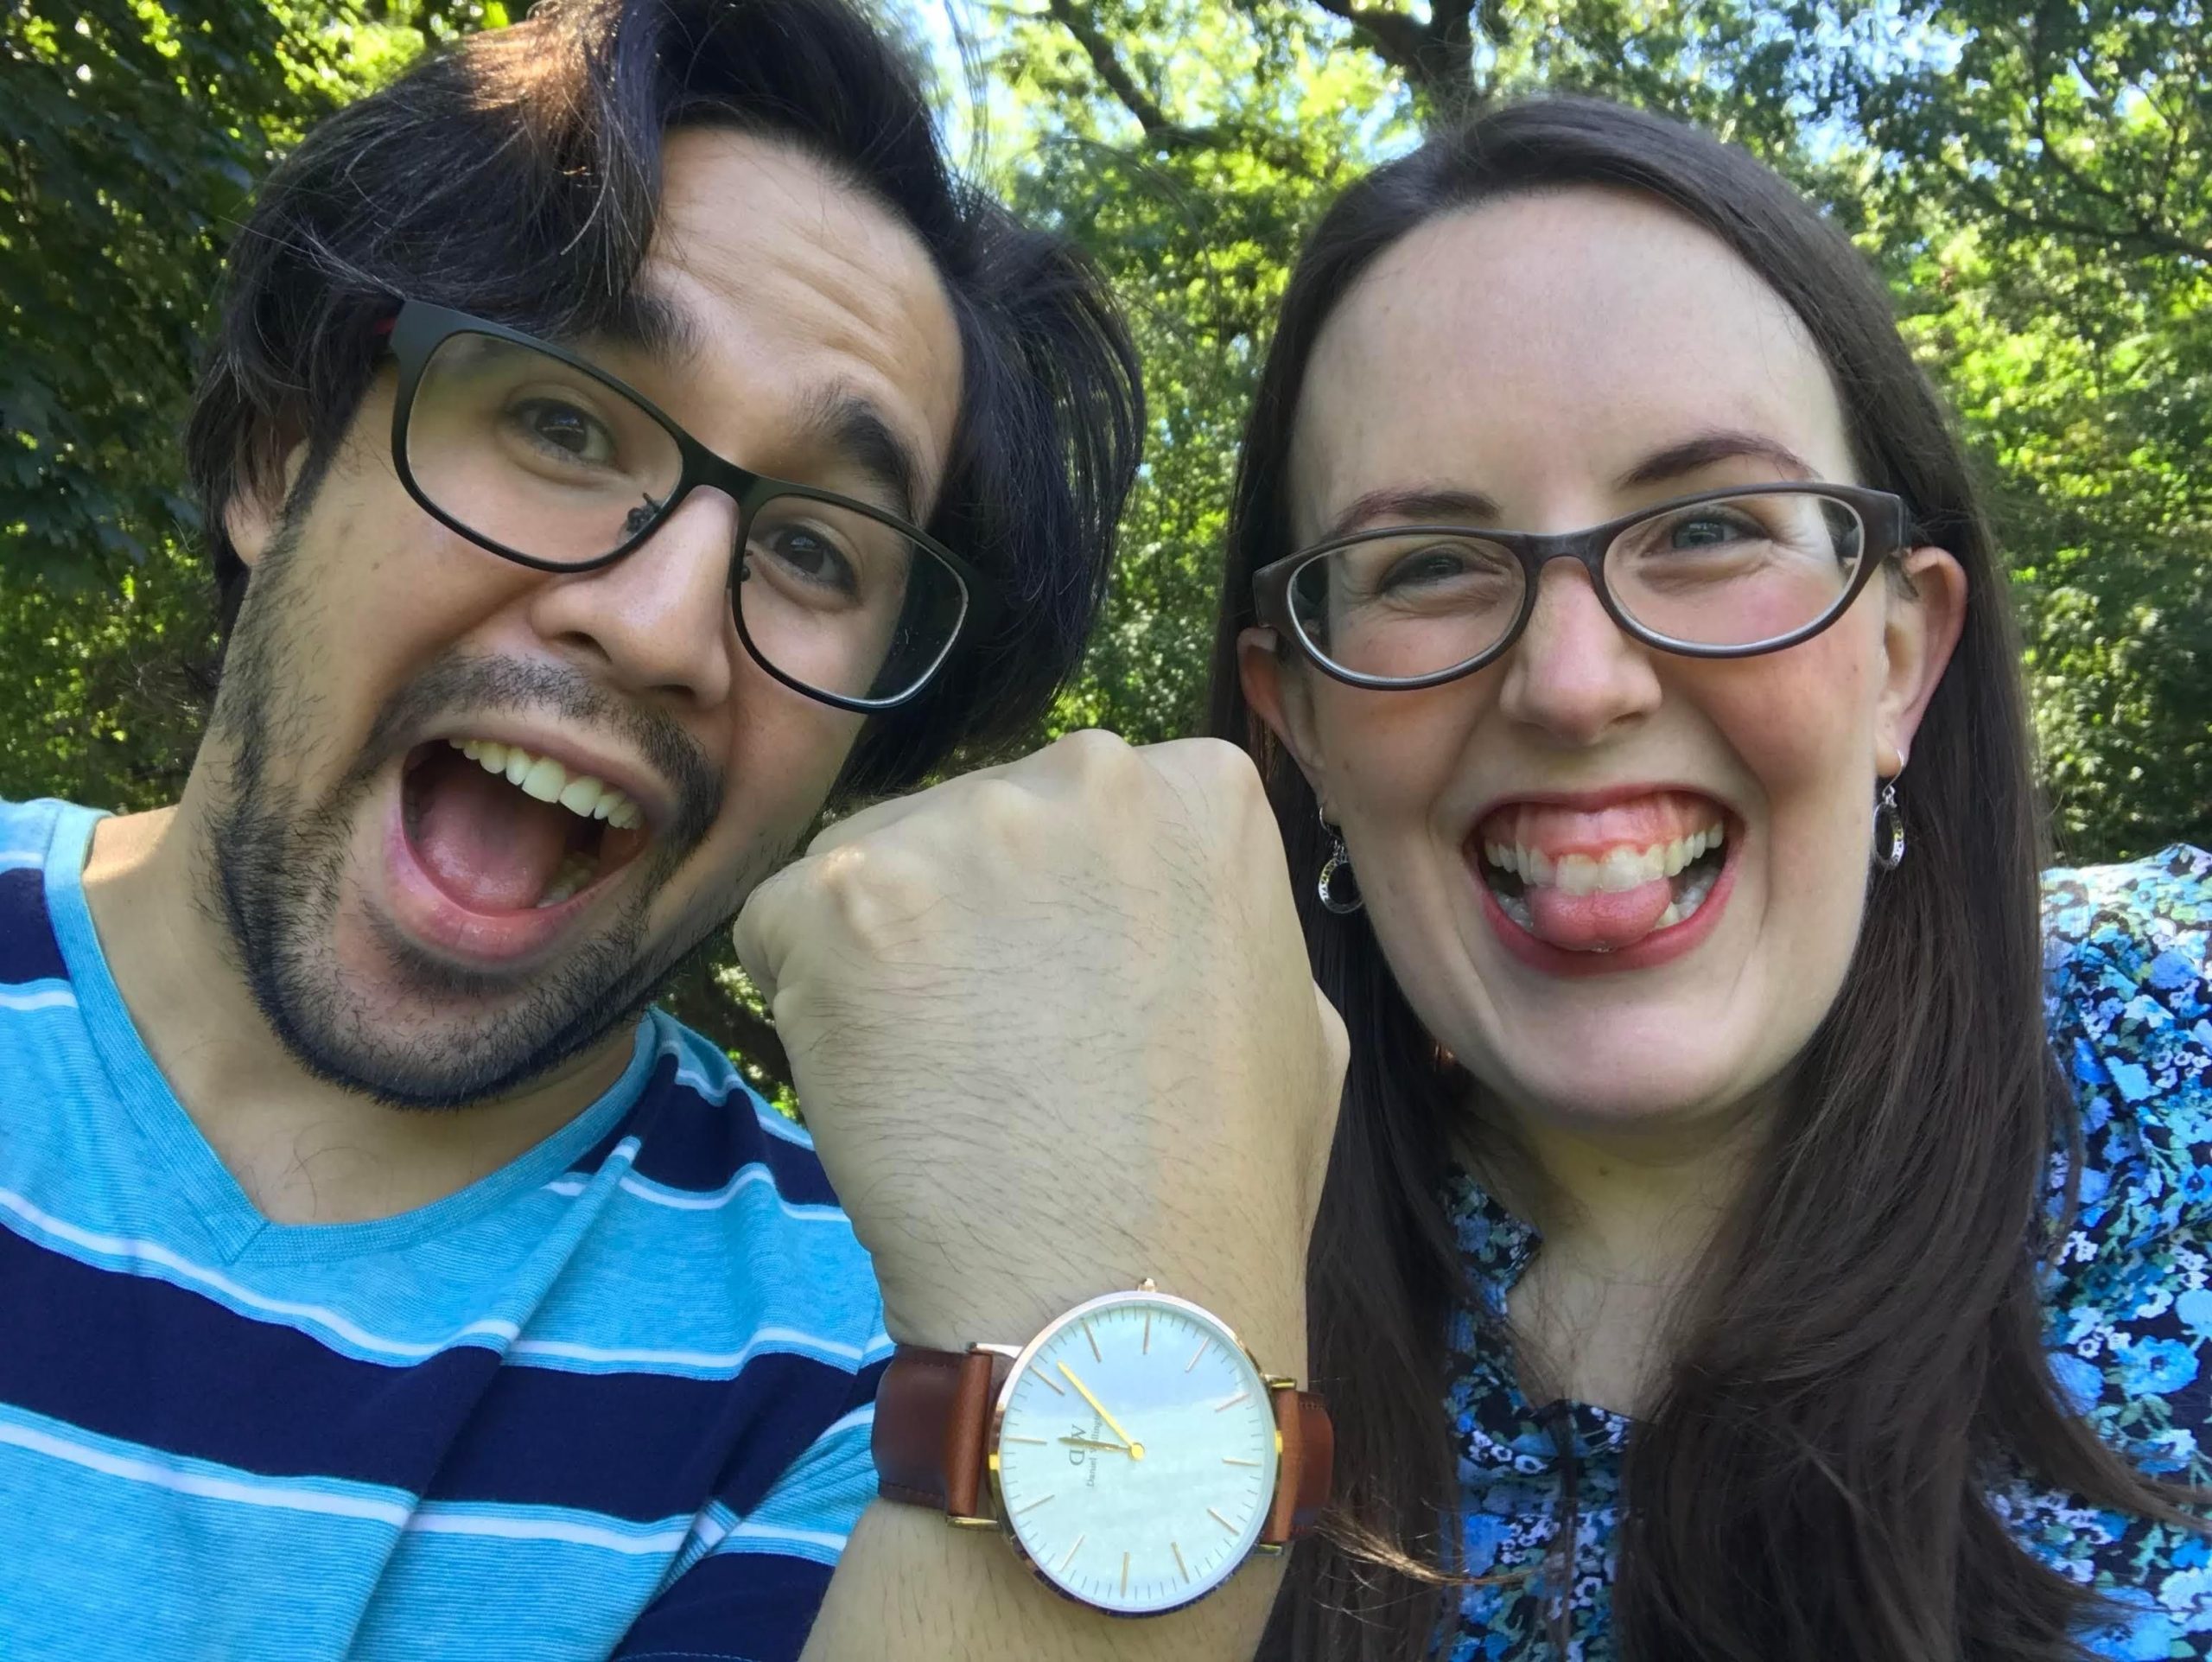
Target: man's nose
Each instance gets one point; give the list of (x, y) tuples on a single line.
[(656, 621), (1573, 673)]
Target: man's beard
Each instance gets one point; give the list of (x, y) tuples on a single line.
[(275, 869)]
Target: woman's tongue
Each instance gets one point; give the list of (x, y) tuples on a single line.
[(489, 846), (1601, 922)]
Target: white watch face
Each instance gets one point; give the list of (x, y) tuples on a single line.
[(1136, 1453)]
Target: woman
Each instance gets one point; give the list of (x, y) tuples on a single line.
[(1700, 946)]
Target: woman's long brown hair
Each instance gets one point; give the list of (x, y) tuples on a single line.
[(1863, 1347)]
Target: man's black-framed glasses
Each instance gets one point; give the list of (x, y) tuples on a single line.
[(530, 452), (1722, 574)]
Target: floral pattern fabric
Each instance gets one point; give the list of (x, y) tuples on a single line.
[(2127, 1301)]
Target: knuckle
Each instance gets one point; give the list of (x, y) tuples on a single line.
[(1093, 751), (1224, 773)]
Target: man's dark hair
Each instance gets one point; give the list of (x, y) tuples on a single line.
[(516, 176)]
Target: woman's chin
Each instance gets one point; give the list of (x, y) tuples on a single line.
[(1598, 1083)]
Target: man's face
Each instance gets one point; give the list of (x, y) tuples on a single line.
[(417, 926)]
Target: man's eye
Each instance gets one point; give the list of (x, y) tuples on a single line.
[(812, 556), (563, 427)]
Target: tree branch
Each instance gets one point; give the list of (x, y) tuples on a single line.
[(1397, 37), (1157, 125), (1436, 57), (2144, 238)]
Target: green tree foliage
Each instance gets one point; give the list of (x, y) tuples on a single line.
[(130, 132), (2047, 213)]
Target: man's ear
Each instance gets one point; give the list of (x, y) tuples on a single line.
[(1280, 694), (1925, 618), (253, 517)]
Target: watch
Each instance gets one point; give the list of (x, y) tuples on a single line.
[(1133, 1451)]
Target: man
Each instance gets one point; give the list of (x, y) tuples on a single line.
[(623, 439)]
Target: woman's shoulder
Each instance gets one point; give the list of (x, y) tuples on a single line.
[(2127, 991), (2128, 998)]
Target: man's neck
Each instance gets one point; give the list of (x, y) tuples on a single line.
[(303, 1150)]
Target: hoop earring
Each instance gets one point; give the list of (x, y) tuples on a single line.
[(1338, 865), (1889, 830)]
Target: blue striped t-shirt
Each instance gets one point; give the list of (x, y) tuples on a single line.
[(614, 1399)]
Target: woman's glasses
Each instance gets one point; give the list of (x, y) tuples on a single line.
[(1723, 574), (531, 453)]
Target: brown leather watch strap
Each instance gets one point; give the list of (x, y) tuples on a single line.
[(932, 1437), (1307, 1468), (932, 1428)]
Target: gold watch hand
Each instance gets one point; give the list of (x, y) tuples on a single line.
[(1136, 1449), (1110, 1448)]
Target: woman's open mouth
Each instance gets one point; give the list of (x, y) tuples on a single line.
[(1604, 880), (508, 844)]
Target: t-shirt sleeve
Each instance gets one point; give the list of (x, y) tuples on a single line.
[(2129, 991), (753, 1593)]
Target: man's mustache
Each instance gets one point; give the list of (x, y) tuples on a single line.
[(479, 686)]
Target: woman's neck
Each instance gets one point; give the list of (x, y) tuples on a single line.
[(1627, 1213)]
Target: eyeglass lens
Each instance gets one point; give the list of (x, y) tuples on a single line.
[(536, 457), (1740, 571)]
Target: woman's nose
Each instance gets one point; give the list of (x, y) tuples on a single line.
[(1574, 674)]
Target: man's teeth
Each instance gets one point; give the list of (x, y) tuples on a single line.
[(548, 781), (1620, 869), (575, 873)]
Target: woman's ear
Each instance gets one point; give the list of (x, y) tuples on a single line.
[(254, 515), (1276, 687), (1925, 619)]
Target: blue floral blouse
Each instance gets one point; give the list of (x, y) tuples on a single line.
[(2128, 998)]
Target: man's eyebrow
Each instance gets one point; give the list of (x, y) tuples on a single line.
[(649, 323), (1705, 449), (1412, 507), (857, 430)]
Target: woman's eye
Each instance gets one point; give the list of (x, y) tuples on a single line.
[(1707, 530), (1429, 566), (559, 426)]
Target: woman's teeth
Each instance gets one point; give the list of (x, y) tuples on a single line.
[(548, 781), (1619, 870)]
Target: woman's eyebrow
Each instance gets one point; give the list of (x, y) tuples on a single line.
[(1705, 449), (1412, 505)]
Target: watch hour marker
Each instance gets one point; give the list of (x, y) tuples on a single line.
[(1094, 1351), (1072, 1550), (1230, 1402), (1125, 1574), (1040, 1373), (1040, 1442), (1147, 1332), (1231, 1459), (1031, 1506), (1197, 1353), (1218, 1518), (1179, 1564)]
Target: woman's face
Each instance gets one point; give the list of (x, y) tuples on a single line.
[(1557, 360)]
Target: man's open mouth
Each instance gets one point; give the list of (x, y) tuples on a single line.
[(499, 829), (1601, 881)]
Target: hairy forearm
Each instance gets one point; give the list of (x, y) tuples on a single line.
[(912, 1586)]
